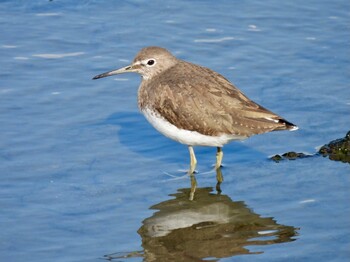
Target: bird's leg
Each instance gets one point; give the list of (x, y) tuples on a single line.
[(219, 179), (193, 186), (219, 156), (193, 160)]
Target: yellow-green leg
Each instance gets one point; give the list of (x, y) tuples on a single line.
[(193, 162), (219, 177), (219, 156), (193, 186)]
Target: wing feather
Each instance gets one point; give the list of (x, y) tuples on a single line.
[(204, 101)]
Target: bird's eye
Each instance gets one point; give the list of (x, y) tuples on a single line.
[(151, 62)]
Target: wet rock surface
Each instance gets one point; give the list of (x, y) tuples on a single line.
[(289, 156), (336, 150)]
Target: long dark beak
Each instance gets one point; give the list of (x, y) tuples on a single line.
[(126, 69)]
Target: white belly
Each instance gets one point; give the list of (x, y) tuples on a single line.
[(186, 137)]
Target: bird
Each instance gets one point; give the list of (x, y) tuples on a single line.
[(195, 105)]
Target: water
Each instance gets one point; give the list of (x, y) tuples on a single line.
[(83, 175)]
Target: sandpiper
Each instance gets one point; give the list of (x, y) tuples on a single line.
[(194, 105)]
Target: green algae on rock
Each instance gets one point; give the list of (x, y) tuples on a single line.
[(337, 150), (289, 155)]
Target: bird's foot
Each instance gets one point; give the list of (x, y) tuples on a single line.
[(188, 172), (221, 166)]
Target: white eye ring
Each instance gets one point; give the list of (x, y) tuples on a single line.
[(150, 62)]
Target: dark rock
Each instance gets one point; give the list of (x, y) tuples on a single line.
[(289, 155), (337, 150), (277, 158)]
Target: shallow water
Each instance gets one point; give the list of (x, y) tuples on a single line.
[(83, 175)]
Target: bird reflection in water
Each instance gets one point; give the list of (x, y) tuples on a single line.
[(207, 228), (219, 179)]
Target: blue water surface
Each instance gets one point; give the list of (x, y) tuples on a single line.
[(81, 168)]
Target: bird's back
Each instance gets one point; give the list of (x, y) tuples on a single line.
[(196, 98)]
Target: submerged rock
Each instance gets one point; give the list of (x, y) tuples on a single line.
[(289, 155), (337, 150)]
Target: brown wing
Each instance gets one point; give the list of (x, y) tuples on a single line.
[(198, 99)]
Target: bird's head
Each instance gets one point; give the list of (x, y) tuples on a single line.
[(149, 62)]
